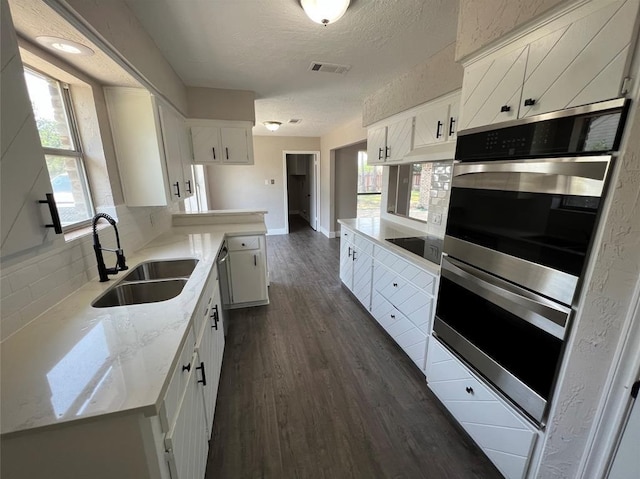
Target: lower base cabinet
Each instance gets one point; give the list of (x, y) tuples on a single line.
[(502, 433), (172, 444), (247, 271)]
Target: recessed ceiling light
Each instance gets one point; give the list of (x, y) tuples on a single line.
[(65, 46), (272, 125)]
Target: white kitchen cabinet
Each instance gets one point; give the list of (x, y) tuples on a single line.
[(147, 138), (389, 143), (580, 58), (247, 271), (356, 258), (225, 143), (436, 121), (25, 179), (504, 435)]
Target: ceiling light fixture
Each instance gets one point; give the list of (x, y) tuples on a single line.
[(272, 125), (65, 46), (325, 11)]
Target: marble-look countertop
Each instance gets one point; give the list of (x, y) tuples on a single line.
[(75, 362), (379, 230)]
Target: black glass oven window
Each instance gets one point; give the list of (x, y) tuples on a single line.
[(528, 352), (548, 229)]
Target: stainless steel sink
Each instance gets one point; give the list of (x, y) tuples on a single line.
[(161, 269), (128, 293)]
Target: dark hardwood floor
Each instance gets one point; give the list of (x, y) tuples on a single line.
[(311, 387)]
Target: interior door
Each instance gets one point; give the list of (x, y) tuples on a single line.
[(313, 191)]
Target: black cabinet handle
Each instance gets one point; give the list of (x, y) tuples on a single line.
[(354, 255), (393, 316), (452, 121), (53, 210), (529, 102), (214, 152), (255, 260), (379, 153), (177, 185), (387, 149), (244, 244), (395, 285), (438, 128), (469, 389), (204, 375), (227, 152), (189, 186), (187, 367), (214, 316), (505, 108), (349, 252)]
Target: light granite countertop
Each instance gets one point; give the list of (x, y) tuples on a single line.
[(379, 230), (76, 362)]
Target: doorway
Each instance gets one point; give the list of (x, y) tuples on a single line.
[(301, 177)]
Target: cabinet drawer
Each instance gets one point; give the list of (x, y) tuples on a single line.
[(401, 329), (418, 276), (239, 243), (346, 235), (505, 437), (410, 301), (363, 245), (179, 379)]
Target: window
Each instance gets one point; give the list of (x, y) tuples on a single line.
[(410, 190), (59, 137), (369, 187)]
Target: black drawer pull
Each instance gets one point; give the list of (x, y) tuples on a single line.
[(505, 108), (214, 153), (204, 376), (395, 285), (393, 316), (227, 151), (187, 367), (469, 389), (529, 102), (349, 253)]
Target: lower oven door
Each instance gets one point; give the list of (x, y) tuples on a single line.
[(511, 336)]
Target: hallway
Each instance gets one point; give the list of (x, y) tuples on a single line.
[(311, 387)]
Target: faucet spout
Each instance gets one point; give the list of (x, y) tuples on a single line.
[(121, 264)]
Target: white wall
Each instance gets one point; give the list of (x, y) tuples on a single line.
[(346, 175), (236, 186), (218, 104), (344, 135)]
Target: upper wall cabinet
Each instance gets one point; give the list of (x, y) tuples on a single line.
[(389, 143), (581, 58), (222, 142), (151, 148), (25, 179), (415, 132)]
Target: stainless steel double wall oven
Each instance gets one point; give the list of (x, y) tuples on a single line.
[(525, 202)]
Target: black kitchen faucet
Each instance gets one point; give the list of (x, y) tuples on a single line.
[(121, 265)]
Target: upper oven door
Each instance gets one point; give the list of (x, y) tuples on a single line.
[(528, 221)]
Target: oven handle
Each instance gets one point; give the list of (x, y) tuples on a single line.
[(536, 310), (581, 175)]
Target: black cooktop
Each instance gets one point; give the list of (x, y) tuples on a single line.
[(429, 247)]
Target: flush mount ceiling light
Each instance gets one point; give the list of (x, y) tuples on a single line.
[(272, 125), (325, 11), (65, 46)]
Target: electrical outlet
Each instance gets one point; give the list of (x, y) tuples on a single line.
[(436, 219), (266, 182), (273, 182)]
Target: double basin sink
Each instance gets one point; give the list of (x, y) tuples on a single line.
[(148, 282)]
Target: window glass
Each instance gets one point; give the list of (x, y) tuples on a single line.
[(53, 112), (410, 190), (369, 187)]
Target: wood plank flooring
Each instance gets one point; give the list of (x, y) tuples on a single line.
[(311, 387)]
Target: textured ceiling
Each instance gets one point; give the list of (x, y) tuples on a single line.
[(268, 46)]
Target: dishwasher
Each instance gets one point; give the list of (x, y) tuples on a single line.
[(224, 278)]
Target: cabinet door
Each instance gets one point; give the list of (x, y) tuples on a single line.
[(206, 144), (454, 115), (25, 179), (186, 442), (431, 125), (171, 125), (491, 89), (581, 63), (234, 145), (187, 159), (399, 139), (248, 276), (362, 266), (376, 145), (346, 262)]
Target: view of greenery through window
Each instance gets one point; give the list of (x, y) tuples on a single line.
[(369, 187), (51, 107)]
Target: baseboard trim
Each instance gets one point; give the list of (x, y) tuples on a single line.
[(327, 233), (277, 231)]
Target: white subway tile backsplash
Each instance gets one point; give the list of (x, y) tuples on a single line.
[(16, 301), (24, 277), (5, 287)]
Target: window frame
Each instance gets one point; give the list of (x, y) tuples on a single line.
[(76, 153)]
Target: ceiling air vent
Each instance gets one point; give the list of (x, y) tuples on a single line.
[(329, 67), (294, 121)]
